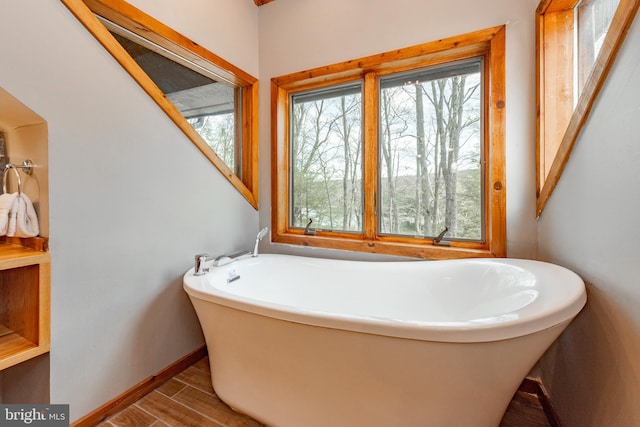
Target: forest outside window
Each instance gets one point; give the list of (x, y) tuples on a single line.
[(326, 158), (210, 100), (430, 150), (401, 156), (577, 41)]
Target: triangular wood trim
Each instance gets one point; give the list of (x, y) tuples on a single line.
[(618, 29)]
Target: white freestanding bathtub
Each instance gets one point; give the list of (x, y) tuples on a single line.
[(302, 342)]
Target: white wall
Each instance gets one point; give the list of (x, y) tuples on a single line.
[(300, 34), (591, 225), (131, 199), (228, 28)]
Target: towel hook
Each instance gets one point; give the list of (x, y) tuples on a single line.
[(27, 167), (4, 178)]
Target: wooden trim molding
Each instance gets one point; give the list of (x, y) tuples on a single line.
[(261, 2), (139, 390), (489, 44), (125, 15), (36, 243), (555, 141), (534, 386)]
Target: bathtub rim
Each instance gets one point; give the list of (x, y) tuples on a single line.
[(450, 332)]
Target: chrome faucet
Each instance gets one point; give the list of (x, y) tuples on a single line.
[(218, 261), (259, 237), (221, 260), (200, 269)]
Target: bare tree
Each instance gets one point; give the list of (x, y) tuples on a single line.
[(449, 98), (386, 150), (351, 137), (327, 151), (422, 189), (428, 131)]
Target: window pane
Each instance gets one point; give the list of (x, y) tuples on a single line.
[(594, 18), (210, 104), (326, 158), (219, 131), (430, 149)]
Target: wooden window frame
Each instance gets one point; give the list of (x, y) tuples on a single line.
[(133, 19), (489, 43), (558, 122)]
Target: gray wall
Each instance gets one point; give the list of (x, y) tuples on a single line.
[(591, 225), (131, 199)]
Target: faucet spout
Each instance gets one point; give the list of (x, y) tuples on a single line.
[(259, 237), (218, 261)]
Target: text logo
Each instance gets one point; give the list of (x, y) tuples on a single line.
[(34, 415)]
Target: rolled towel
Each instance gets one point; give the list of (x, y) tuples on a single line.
[(6, 202), (23, 221)]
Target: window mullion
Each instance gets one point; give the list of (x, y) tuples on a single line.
[(370, 235), (370, 154)]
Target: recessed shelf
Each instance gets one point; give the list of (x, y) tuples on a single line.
[(15, 349), (24, 304)]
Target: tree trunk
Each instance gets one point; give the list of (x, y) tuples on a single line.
[(423, 171), (456, 109), (346, 177), (388, 160)]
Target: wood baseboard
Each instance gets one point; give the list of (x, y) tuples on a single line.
[(533, 386), (139, 390)]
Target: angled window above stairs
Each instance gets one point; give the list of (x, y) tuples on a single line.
[(213, 102), (576, 44)]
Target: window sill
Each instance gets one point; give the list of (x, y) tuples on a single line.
[(387, 245)]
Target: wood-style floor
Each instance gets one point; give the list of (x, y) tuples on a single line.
[(188, 399)]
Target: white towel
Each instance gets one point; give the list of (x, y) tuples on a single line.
[(6, 202), (23, 221)]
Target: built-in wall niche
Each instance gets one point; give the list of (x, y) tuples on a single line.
[(24, 261), (25, 137)]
